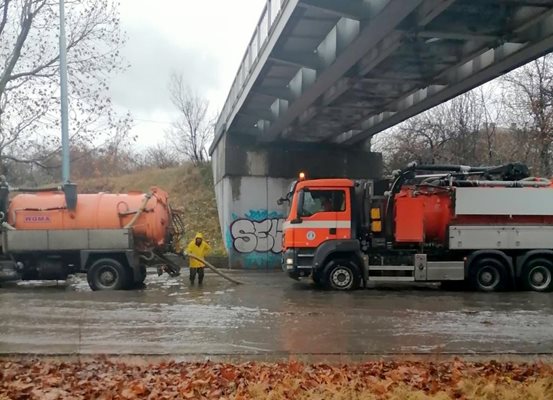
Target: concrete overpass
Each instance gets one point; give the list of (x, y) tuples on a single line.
[(321, 77)]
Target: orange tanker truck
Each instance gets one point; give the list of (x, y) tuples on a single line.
[(51, 233), (488, 227)]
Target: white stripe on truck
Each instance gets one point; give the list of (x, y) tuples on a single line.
[(319, 224)]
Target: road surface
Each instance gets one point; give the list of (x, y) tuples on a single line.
[(270, 315)]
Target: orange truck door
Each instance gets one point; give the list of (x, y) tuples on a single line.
[(325, 215)]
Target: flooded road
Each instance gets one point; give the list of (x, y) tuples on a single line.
[(269, 315)]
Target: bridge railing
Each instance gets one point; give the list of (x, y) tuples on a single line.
[(270, 15)]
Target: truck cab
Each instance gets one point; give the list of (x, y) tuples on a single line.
[(320, 222)]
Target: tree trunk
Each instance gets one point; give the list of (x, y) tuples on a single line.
[(545, 160)]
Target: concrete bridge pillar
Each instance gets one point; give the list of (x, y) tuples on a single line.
[(250, 178)]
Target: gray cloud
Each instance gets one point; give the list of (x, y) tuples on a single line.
[(143, 88)]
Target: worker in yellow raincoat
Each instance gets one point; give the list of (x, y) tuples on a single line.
[(199, 248)]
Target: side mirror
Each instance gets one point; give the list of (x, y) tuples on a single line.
[(283, 200)]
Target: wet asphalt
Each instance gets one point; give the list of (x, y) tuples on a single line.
[(269, 315)]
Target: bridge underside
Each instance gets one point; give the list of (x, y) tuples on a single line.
[(342, 71), (321, 77)]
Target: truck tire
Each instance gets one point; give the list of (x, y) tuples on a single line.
[(108, 274), (342, 274), (537, 275), (488, 275)]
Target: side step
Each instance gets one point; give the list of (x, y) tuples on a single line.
[(382, 273), (421, 271)]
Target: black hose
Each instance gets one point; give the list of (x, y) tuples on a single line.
[(511, 171), (448, 168), (390, 203), (36, 190)]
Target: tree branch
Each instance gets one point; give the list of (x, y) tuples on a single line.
[(4, 16), (27, 16), (23, 161)]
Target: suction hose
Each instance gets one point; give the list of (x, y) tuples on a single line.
[(214, 269), (173, 269), (139, 212)]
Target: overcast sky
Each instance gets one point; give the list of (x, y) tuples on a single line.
[(204, 40)]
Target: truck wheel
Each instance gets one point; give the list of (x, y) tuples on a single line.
[(488, 275), (108, 274), (537, 275), (342, 275)]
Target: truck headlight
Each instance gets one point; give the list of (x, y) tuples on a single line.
[(289, 261)]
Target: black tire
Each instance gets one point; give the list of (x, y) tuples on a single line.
[(342, 274), (537, 275), (488, 275), (108, 274)]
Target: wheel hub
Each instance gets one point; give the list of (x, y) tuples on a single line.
[(486, 277), (341, 277), (489, 277), (540, 277), (107, 277)]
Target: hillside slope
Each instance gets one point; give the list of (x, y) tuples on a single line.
[(190, 189)]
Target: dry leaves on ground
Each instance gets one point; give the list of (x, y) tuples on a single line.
[(107, 380)]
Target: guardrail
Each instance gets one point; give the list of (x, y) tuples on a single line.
[(264, 28)]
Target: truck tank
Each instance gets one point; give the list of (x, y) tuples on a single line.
[(422, 215), (48, 210)]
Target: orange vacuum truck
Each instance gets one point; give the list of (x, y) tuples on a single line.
[(48, 234), (487, 227)]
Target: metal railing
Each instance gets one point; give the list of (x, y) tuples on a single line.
[(263, 30)]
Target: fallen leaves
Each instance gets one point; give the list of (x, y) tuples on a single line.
[(113, 380), (135, 389)]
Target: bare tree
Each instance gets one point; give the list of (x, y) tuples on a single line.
[(449, 133), (161, 155), (29, 65), (193, 131), (491, 111), (528, 96), (496, 123)]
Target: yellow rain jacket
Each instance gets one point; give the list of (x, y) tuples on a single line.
[(199, 251)]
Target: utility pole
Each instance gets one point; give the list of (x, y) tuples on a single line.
[(64, 107)]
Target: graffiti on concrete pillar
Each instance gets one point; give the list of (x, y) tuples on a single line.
[(257, 236), (258, 231)]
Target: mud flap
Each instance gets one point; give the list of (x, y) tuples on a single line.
[(365, 270)]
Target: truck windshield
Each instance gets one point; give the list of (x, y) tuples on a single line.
[(316, 201)]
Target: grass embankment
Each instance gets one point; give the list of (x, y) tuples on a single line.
[(190, 189), (104, 379)]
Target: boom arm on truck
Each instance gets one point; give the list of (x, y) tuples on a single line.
[(490, 227)]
